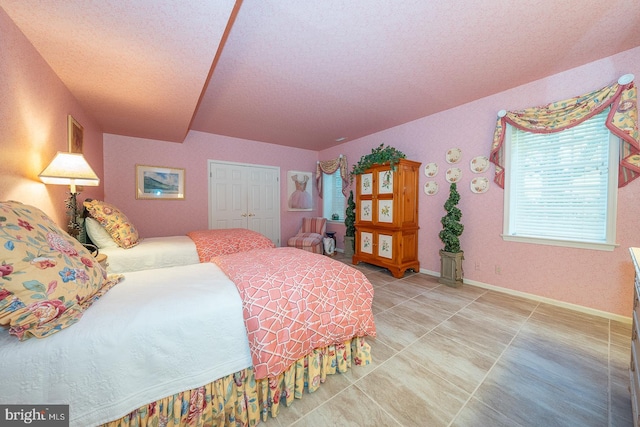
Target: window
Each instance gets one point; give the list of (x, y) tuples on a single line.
[(332, 198), (561, 188)]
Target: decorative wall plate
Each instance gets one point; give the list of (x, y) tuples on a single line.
[(454, 174), (479, 185), (479, 164), (454, 155), (430, 188), (431, 169)]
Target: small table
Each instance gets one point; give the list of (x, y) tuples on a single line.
[(332, 235), (102, 260)]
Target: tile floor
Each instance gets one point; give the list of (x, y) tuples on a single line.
[(475, 357)]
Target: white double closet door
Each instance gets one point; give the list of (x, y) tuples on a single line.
[(245, 196)]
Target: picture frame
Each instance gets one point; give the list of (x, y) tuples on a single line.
[(75, 135), (299, 191), (159, 183)]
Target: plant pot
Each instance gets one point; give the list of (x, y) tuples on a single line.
[(451, 268), (348, 245)]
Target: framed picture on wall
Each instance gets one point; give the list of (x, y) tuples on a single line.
[(299, 186), (156, 182), (75, 135)]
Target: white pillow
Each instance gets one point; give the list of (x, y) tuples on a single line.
[(98, 235)]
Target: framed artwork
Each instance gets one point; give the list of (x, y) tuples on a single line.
[(385, 210), (299, 186), (366, 184), (366, 210), (75, 135), (385, 182), (385, 245), (366, 242), (156, 182)]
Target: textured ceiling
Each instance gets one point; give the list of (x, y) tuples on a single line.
[(306, 73)]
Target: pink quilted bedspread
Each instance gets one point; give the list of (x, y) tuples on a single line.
[(295, 301), (212, 243)]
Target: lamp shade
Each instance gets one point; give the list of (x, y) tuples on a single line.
[(69, 169)]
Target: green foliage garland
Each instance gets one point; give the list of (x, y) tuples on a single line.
[(350, 217), (451, 227), (378, 156)]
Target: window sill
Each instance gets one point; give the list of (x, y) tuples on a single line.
[(557, 242)]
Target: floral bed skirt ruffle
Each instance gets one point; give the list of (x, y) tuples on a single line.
[(241, 400)]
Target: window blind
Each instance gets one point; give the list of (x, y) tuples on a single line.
[(333, 199), (559, 182)]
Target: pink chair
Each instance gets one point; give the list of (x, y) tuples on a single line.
[(310, 236)]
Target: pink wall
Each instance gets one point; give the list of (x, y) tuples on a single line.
[(595, 279), (174, 217), (34, 105)]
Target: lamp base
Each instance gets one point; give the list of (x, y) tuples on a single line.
[(73, 226)]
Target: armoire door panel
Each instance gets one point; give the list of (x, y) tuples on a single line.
[(385, 246)]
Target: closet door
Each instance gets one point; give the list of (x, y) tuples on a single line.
[(263, 198), (245, 196), (227, 196)]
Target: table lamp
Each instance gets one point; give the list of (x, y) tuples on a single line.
[(70, 169)]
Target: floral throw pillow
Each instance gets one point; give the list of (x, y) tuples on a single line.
[(47, 278), (114, 221)]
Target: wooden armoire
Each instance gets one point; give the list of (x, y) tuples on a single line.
[(387, 217)]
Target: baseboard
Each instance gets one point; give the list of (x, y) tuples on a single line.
[(576, 307)]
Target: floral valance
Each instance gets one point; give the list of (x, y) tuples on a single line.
[(330, 167), (622, 121)]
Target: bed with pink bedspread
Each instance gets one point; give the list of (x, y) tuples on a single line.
[(294, 302), (196, 246), (213, 243), (225, 342), (306, 316)]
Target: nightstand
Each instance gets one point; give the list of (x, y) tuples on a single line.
[(102, 260)]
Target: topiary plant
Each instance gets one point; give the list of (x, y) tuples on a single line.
[(378, 156), (451, 227), (350, 217)]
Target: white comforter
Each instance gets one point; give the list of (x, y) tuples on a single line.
[(152, 252), (156, 333)]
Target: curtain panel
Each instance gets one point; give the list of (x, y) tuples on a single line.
[(329, 167), (622, 121)]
